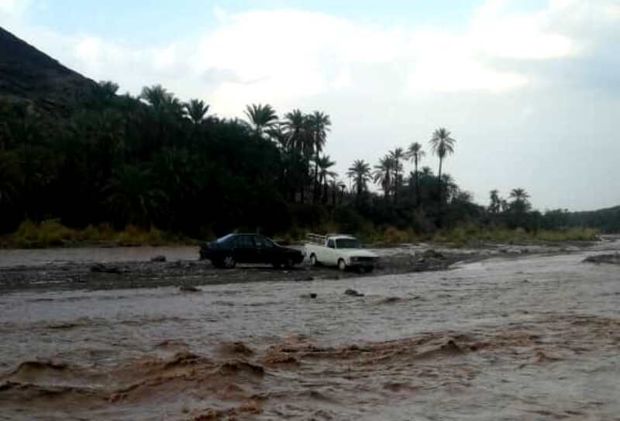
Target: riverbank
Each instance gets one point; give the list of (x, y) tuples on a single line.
[(97, 268), (109, 270), (51, 233)]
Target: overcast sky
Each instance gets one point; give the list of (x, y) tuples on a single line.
[(529, 88)]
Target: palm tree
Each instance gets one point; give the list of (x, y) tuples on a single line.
[(318, 124), (415, 153), (132, 197), (442, 144), (360, 173), (278, 135), (397, 155), (299, 141), (383, 174), (106, 90), (156, 96), (520, 202), (495, 202), (165, 106), (196, 111), (450, 187), (519, 194), (296, 125), (261, 117), (323, 165)]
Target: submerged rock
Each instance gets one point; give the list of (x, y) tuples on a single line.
[(353, 293), (613, 259), (101, 268), (158, 259), (432, 254), (189, 288)]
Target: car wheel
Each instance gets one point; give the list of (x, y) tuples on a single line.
[(313, 261), (289, 263), (229, 262), (342, 265)]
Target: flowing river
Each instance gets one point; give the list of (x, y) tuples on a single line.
[(531, 337)]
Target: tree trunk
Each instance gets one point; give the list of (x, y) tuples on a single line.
[(417, 183), (324, 196), (395, 186), (316, 186), (439, 178)]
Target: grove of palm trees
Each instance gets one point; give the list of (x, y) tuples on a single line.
[(155, 161)]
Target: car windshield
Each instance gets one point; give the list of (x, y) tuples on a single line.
[(224, 239), (348, 243)]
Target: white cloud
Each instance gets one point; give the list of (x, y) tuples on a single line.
[(500, 34), (285, 55), (13, 8)]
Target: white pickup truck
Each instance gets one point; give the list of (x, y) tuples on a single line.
[(339, 250)]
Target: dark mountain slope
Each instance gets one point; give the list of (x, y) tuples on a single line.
[(27, 74)]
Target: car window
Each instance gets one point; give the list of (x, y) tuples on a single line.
[(348, 243), (245, 241), (331, 244), (263, 242)]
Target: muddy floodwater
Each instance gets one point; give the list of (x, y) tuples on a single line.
[(531, 337)]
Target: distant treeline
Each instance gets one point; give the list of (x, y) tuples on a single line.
[(606, 220), (154, 161)]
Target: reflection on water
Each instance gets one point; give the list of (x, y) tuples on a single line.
[(530, 338)]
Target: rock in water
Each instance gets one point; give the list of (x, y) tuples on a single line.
[(101, 268), (353, 293), (158, 259), (189, 288), (432, 254)]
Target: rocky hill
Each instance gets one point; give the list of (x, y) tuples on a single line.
[(27, 74)]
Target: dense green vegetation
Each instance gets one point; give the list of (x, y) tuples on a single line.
[(156, 163)]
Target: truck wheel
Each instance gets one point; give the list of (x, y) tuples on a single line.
[(342, 265), (229, 262), (313, 261)]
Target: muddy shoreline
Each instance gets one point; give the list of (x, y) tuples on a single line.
[(188, 273), (184, 270)]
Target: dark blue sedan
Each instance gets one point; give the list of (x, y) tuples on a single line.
[(231, 249)]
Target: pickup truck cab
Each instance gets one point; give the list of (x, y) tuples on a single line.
[(341, 250)]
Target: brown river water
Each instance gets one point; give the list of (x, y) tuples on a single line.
[(531, 337)]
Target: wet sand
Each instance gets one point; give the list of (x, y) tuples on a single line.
[(524, 336)]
